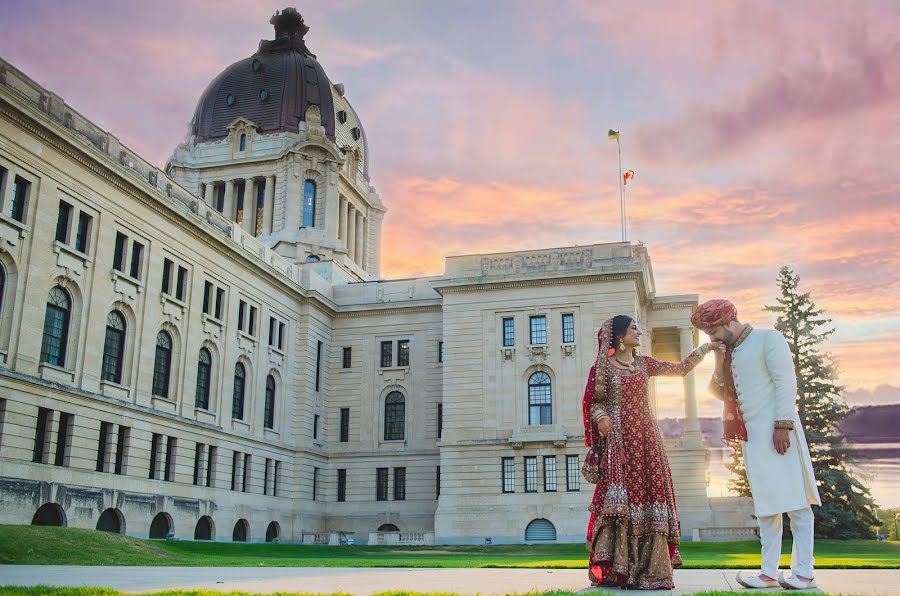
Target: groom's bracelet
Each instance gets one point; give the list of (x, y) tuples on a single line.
[(784, 424)]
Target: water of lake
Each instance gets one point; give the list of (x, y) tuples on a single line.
[(877, 466)]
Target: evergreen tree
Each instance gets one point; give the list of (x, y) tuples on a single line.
[(848, 510)]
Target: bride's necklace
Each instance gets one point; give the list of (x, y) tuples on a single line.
[(631, 367)]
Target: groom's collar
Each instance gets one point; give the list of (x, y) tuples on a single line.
[(740, 338)]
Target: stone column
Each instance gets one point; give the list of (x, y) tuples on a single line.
[(51, 436), (208, 193), (269, 208), (345, 225), (228, 203), (112, 444), (358, 245), (692, 423), (340, 222), (249, 224), (351, 231), (364, 258)]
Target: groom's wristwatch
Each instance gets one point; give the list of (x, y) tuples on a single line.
[(784, 424)]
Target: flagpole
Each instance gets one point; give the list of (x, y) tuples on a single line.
[(621, 188)]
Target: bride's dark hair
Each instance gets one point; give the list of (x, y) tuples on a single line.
[(620, 325)]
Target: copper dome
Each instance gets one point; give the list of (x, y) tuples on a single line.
[(272, 88)]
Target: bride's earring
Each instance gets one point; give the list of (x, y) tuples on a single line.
[(622, 347)]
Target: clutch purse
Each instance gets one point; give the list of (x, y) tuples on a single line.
[(592, 468)]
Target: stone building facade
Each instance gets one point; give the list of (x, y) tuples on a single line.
[(208, 351)]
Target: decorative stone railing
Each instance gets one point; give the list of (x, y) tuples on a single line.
[(724, 534), (401, 538)]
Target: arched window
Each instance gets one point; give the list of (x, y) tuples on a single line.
[(162, 366), (111, 520), (241, 531), (269, 417), (272, 532), (388, 528), (49, 514), (204, 374), (56, 327), (309, 204), (243, 146), (237, 397), (113, 347), (204, 530), (540, 529), (394, 416), (540, 402), (161, 526)]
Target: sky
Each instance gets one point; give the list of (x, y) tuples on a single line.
[(761, 133)]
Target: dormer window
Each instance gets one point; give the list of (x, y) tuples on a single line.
[(356, 133), (342, 116), (243, 143)]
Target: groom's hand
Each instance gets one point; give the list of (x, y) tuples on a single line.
[(782, 440)]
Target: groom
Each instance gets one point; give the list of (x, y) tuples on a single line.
[(754, 377)]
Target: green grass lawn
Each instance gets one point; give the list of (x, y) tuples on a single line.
[(45, 591), (41, 545)]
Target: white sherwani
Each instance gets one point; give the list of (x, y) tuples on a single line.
[(766, 387)]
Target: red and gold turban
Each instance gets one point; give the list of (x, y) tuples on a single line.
[(713, 313)]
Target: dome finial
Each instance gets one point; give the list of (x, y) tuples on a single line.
[(288, 22)]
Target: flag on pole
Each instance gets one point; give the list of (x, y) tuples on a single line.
[(613, 135), (629, 175)]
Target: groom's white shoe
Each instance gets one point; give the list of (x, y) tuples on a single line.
[(795, 583), (755, 581)]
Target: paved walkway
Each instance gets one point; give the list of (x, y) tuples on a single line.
[(368, 581)]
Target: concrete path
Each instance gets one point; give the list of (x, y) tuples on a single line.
[(369, 581)]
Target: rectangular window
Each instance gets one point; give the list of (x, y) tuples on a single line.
[(220, 198), (220, 302), (242, 308), (573, 473), (266, 476), (437, 483), (347, 358), (403, 352), (211, 466), (509, 332), (530, 474), (137, 251), (549, 473), (102, 445), (198, 463), (440, 420), (63, 439), (538, 326), (245, 484), (345, 425), (381, 484), (40, 434), (568, 328), (509, 474), (440, 351), (119, 254), (281, 327), (275, 478), (315, 486), (207, 296), (387, 356), (181, 284), (399, 484), (154, 450), (167, 276), (171, 445), (251, 324), (318, 363), (271, 331), (342, 485), (315, 426), (82, 238), (62, 221), (20, 196), (122, 443), (234, 470)]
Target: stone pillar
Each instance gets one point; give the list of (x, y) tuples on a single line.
[(269, 208), (208, 193), (692, 423), (345, 225), (340, 223), (159, 470), (351, 231), (51, 436), (249, 224), (364, 258), (358, 245), (112, 444), (228, 203)]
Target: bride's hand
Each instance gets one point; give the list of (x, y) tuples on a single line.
[(717, 347), (603, 425)]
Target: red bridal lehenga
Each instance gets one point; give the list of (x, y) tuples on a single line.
[(633, 532)]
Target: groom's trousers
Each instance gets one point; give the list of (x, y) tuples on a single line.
[(770, 529)]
